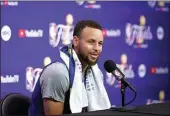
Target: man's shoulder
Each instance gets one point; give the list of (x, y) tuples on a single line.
[(54, 81), (55, 65), (55, 70)]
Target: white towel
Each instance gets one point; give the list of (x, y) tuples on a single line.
[(95, 97)]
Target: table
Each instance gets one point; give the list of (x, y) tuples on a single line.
[(160, 109)]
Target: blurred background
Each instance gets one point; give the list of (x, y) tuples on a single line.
[(136, 37)]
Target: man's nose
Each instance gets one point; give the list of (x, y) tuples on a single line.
[(96, 47)]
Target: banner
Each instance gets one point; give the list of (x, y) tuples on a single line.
[(136, 37)]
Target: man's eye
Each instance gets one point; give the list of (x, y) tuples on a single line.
[(90, 42), (100, 43)]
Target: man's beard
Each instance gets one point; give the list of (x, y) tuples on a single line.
[(87, 60)]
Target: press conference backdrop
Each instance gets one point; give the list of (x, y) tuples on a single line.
[(136, 37)]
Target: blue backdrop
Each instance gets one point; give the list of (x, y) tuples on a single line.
[(136, 38)]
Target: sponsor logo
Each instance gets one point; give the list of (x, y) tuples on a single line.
[(160, 33), (142, 70), (6, 33), (159, 70), (32, 33), (61, 32), (10, 79), (111, 33), (9, 3), (136, 35), (32, 76), (91, 4)]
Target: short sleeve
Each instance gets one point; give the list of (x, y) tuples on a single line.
[(54, 81)]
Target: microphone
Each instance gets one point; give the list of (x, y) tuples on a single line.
[(111, 67)]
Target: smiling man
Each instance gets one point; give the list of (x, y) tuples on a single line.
[(74, 84)]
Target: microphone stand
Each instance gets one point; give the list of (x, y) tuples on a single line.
[(124, 85)]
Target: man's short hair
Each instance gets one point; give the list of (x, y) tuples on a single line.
[(85, 23)]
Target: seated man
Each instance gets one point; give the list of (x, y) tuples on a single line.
[(74, 84)]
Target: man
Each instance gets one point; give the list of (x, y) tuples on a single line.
[(74, 84)]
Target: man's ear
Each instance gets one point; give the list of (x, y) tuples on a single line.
[(75, 41)]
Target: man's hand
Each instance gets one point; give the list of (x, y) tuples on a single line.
[(52, 107)]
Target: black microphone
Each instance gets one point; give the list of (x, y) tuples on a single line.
[(111, 67)]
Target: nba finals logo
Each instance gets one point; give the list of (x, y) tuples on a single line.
[(160, 5), (47, 61), (136, 34), (126, 68), (110, 79), (61, 32), (161, 99), (32, 76)]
